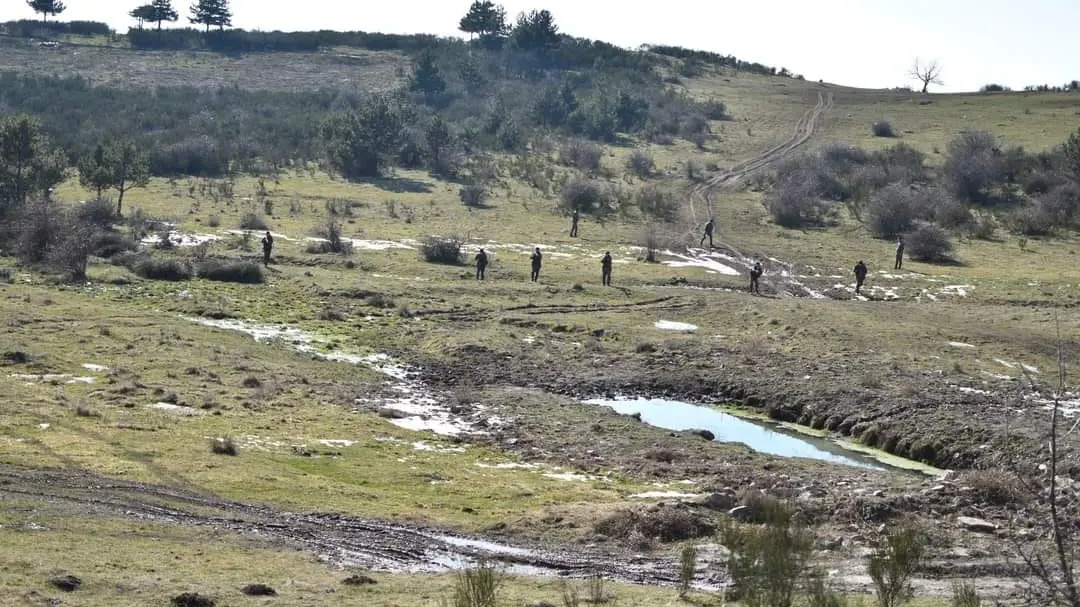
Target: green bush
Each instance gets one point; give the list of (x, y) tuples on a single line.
[(245, 272), (883, 128), (894, 210)]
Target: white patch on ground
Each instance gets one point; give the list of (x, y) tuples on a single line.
[(529, 339), (958, 290), (967, 390), (705, 261), (52, 377), (886, 293), (960, 344), (337, 443), (93, 367), (368, 245), (571, 476), (260, 233), (43, 426), (176, 409), (425, 413), (1030, 368), (649, 495), (997, 375), (180, 239), (670, 325), (507, 466), (1005, 363), (426, 446)]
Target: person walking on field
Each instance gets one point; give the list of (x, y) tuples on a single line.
[(860, 276), (755, 274), (707, 234), (899, 252), (536, 261), (268, 246), (574, 219), (481, 264), (605, 269)]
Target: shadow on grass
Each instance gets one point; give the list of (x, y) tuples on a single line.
[(400, 185)]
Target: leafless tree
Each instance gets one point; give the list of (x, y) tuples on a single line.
[(926, 73), (1049, 557)]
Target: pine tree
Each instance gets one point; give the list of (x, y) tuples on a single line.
[(211, 12), (47, 7), (163, 11), (486, 19)]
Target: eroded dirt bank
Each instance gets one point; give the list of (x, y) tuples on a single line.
[(925, 417)]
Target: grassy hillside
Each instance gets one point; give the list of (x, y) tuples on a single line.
[(134, 379)]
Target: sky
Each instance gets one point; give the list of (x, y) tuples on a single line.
[(865, 43)]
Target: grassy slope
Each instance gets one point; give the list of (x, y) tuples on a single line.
[(156, 349)]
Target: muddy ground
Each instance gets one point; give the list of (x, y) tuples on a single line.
[(927, 417)]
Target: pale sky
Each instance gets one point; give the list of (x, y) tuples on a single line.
[(868, 43)]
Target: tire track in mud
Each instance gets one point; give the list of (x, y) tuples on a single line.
[(337, 538), (804, 129)]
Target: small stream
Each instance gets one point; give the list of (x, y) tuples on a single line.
[(759, 436)]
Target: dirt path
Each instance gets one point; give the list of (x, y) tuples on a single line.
[(779, 274), (804, 129), (341, 539)]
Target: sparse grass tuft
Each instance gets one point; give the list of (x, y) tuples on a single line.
[(687, 569), (892, 564), (478, 586)]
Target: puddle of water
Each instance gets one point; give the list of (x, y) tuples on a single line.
[(670, 325), (678, 416)]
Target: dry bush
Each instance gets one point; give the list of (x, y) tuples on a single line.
[(582, 155), (883, 128), (930, 243), (447, 251), (251, 221), (223, 446), (474, 195), (994, 487), (641, 163), (244, 272), (664, 455), (160, 269)]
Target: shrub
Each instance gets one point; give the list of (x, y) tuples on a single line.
[(478, 586), (965, 595), (443, 250), (474, 195), (793, 203), (687, 569), (1062, 203), (694, 171), (330, 231), (766, 562), (586, 195), (883, 128), (947, 211), (715, 110), (658, 202), (1031, 220), (995, 487), (245, 272), (214, 220), (974, 165), (251, 221), (6, 275), (901, 163), (223, 446), (894, 209), (893, 563), (98, 212), (110, 244), (582, 155), (161, 269), (929, 242), (641, 163)]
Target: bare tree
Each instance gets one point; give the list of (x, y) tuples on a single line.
[(1049, 558), (926, 73)]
